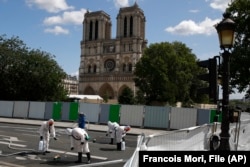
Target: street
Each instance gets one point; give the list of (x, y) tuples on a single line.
[(19, 148)]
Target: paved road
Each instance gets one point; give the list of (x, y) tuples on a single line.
[(19, 147)]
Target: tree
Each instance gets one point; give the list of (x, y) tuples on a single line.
[(28, 74), (166, 73), (240, 59), (126, 96)]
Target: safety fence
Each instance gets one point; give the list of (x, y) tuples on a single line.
[(199, 138), (162, 117)]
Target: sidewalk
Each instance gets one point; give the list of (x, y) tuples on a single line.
[(90, 127)]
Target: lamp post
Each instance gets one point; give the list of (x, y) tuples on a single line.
[(225, 31)]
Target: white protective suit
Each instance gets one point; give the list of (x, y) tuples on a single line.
[(121, 133), (112, 126), (77, 137), (46, 131)]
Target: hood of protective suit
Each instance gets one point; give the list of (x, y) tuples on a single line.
[(127, 128), (109, 123), (50, 122)]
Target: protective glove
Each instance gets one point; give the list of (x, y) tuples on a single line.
[(41, 138), (82, 143), (87, 138), (55, 138), (72, 148)]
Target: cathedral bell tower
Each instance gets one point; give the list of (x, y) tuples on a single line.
[(107, 64)]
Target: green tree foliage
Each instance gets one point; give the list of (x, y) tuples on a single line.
[(140, 98), (167, 73), (126, 96), (240, 59), (28, 74)]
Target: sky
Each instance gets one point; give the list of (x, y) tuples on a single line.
[(55, 26)]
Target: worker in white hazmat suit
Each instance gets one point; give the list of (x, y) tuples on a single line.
[(112, 127), (120, 134), (79, 142), (47, 129)]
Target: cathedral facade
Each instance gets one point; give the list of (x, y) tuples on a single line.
[(107, 64)]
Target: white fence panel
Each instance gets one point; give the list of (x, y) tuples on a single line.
[(21, 109), (183, 118), (6, 108), (131, 115), (37, 110), (91, 111)]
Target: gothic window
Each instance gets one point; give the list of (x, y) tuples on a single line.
[(125, 27), (94, 68), (96, 29), (131, 27), (124, 67), (89, 69), (130, 47), (95, 48), (130, 67), (90, 30)]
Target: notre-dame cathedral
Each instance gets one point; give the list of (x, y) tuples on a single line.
[(107, 64)]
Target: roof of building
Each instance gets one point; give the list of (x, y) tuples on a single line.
[(94, 97)]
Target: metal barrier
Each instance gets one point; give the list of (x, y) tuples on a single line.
[(194, 138)]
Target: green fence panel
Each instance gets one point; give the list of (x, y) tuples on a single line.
[(73, 111), (57, 108), (213, 114), (114, 113)]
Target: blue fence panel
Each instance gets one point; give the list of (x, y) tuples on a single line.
[(131, 115), (156, 117), (104, 113), (21, 109), (6, 108), (48, 110), (36, 110), (65, 111), (183, 118), (203, 116), (91, 111)]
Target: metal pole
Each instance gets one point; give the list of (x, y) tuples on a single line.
[(224, 135)]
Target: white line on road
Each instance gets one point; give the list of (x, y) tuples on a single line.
[(9, 164), (102, 163), (12, 144), (71, 153)]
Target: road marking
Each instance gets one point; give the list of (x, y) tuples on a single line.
[(12, 144), (9, 164), (71, 153), (102, 163)]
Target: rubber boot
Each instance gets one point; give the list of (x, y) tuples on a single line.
[(79, 158), (88, 157), (119, 146), (111, 141)]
